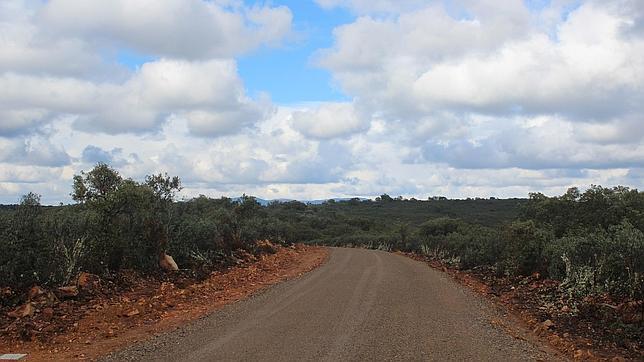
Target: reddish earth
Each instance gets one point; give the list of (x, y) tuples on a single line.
[(362, 305), (73, 324), (593, 329), (98, 316)]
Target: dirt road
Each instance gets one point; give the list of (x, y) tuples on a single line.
[(362, 305)]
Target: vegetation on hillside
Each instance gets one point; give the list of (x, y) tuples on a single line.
[(593, 241)]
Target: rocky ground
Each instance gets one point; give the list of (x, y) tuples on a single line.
[(594, 328), (97, 315)]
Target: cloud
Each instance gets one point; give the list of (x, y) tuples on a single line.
[(541, 143), (15, 122), (210, 94), (330, 120), (496, 62), (587, 73), (463, 98), (29, 48), (140, 104), (27, 174), (484, 85), (92, 155), (620, 131), (59, 59), (187, 29), (35, 150), (274, 160)]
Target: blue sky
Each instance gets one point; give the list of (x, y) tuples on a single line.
[(288, 72), (471, 98), (294, 77)]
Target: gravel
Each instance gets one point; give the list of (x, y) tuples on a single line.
[(361, 305)]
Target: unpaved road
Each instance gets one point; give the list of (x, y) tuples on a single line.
[(362, 305)]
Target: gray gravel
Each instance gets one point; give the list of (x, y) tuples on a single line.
[(361, 305)]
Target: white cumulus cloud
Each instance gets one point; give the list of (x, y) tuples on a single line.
[(330, 120)]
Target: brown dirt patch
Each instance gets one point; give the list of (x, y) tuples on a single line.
[(87, 327)]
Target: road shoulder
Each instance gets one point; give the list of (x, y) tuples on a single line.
[(522, 320), (140, 313)]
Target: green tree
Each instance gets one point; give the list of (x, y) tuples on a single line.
[(95, 184)]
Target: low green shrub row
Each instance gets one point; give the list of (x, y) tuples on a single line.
[(592, 241), (122, 224)]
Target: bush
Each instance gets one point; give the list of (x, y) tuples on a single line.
[(25, 240), (478, 246), (522, 248), (592, 241), (440, 227), (598, 208), (601, 262), (453, 239)]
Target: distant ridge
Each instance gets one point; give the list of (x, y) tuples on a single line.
[(265, 202)]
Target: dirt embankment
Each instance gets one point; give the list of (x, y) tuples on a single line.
[(595, 328), (97, 316)]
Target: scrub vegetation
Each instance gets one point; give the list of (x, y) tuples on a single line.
[(591, 242)]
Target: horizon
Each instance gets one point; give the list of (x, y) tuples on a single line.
[(320, 99), (265, 202)]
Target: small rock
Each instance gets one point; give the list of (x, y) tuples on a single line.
[(68, 291), (580, 354), (166, 262), (24, 310), (88, 281), (35, 291), (48, 313), (49, 299), (132, 313), (165, 287), (565, 309), (548, 323)]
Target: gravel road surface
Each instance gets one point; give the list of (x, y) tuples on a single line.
[(362, 305)]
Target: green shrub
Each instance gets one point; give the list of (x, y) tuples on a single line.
[(605, 261), (28, 254), (592, 241), (440, 227), (522, 248)]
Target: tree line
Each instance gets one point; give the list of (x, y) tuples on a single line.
[(592, 240)]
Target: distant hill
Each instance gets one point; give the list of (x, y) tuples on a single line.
[(265, 202), (337, 199)]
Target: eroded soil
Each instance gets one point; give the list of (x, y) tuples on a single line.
[(106, 316)]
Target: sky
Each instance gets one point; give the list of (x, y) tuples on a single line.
[(313, 99)]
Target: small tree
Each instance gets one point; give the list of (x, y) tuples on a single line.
[(26, 244), (95, 184), (134, 218), (164, 189)]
